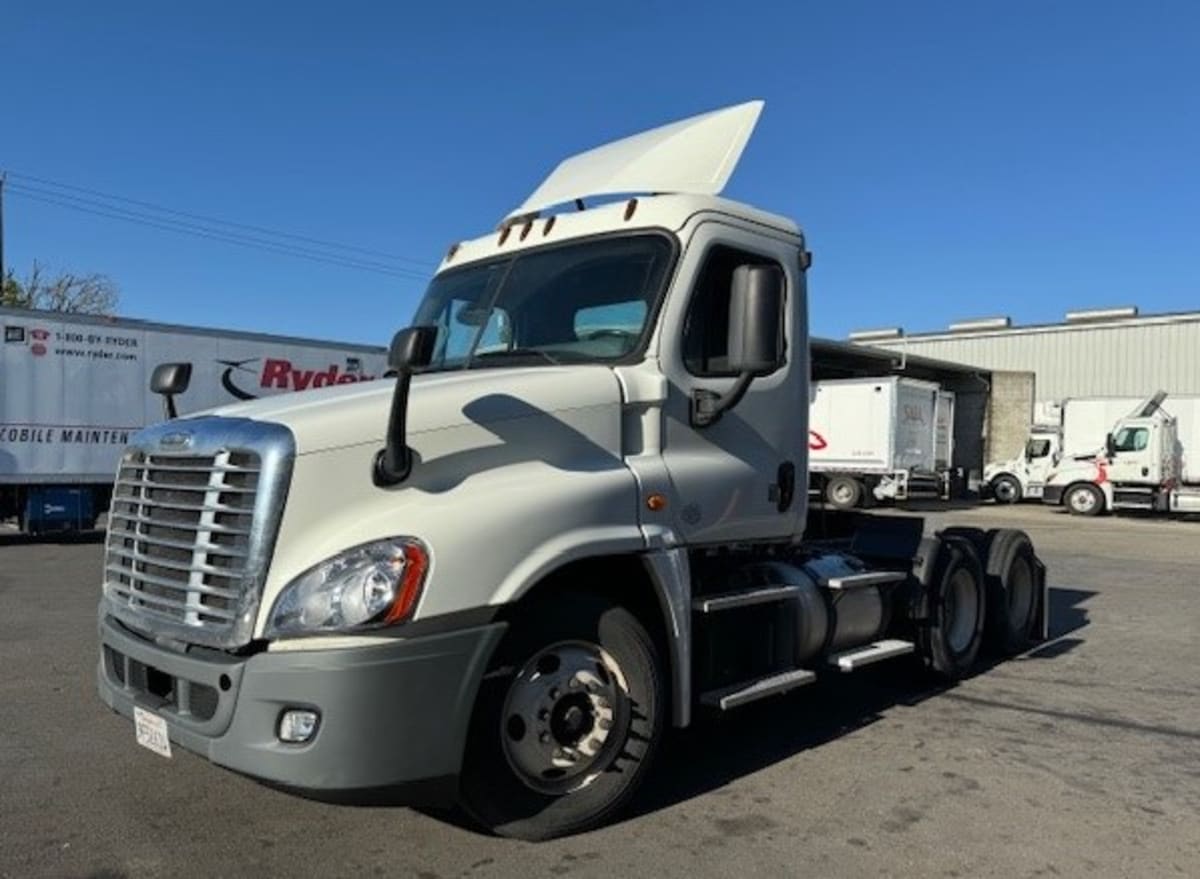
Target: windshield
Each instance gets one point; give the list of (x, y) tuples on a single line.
[(588, 301)]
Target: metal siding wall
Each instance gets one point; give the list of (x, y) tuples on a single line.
[(1131, 360)]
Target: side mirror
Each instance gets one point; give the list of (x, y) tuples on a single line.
[(756, 320), (170, 379), (1110, 446), (411, 349), (755, 342)]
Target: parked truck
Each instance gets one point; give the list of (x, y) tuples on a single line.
[(73, 390), (576, 517), (1150, 462), (885, 438), (1081, 426)]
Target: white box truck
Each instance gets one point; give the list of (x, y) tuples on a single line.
[(575, 518), (1082, 424), (1149, 462), (73, 390), (886, 438)]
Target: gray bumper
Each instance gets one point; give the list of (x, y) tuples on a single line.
[(393, 715)]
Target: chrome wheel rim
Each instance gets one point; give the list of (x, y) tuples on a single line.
[(1005, 493), (843, 493), (1083, 500), (961, 610), (564, 717)]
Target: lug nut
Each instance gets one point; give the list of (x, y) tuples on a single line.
[(544, 738)]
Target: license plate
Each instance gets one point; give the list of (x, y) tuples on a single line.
[(151, 732)]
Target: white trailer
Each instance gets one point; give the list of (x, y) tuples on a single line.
[(1079, 431), (886, 438), (1149, 461), (74, 389)]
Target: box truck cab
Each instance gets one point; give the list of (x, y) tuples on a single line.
[(1148, 464), (575, 518)]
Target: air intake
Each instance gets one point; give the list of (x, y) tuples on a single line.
[(981, 323), (1093, 314), (872, 335)]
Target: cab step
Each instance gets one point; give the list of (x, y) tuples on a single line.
[(863, 580), (850, 660), (731, 600), (750, 691)]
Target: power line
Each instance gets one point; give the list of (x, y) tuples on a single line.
[(329, 245), (115, 213)]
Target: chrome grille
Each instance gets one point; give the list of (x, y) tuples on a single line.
[(190, 531)]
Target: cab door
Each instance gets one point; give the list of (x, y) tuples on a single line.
[(745, 476)]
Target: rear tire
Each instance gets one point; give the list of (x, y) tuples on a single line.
[(957, 603), (1010, 574), (566, 722), (1006, 489), (1084, 499), (844, 492)]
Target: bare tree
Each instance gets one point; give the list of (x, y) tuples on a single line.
[(65, 291)]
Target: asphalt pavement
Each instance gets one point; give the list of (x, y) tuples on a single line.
[(1079, 759)]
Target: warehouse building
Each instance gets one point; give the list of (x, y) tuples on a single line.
[(1097, 352)]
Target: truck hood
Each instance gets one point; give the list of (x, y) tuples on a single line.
[(353, 414)]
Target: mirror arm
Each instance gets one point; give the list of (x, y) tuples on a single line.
[(709, 406), (169, 407), (393, 462)]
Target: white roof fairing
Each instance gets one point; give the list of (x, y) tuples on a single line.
[(694, 156)]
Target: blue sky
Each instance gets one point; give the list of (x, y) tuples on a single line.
[(946, 159)]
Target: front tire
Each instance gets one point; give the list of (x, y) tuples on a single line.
[(566, 722), (1006, 489), (1084, 499)]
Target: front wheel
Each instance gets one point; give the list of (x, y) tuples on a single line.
[(1084, 499), (1006, 489), (566, 722)]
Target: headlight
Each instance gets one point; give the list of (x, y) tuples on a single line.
[(376, 584)]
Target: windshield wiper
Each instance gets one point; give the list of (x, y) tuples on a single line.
[(521, 352)]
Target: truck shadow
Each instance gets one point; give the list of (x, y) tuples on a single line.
[(718, 749)]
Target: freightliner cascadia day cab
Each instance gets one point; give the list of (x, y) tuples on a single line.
[(74, 389), (576, 518), (876, 439), (1149, 462)]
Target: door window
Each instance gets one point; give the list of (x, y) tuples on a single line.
[(1131, 439), (1037, 448), (706, 328)]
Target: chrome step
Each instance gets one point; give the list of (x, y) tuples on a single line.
[(730, 600), (740, 694), (849, 660), (863, 580)]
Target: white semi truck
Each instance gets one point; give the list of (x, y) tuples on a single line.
[(576, 517), (1150, 462), (74, 389), (885, 438), (1082, 425)]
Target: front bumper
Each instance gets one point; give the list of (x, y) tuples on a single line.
[(392, 716), (1053, 494)]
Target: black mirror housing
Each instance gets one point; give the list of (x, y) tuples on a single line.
[(1110, 445), (171, 378), (756, 320), (412, 348)]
